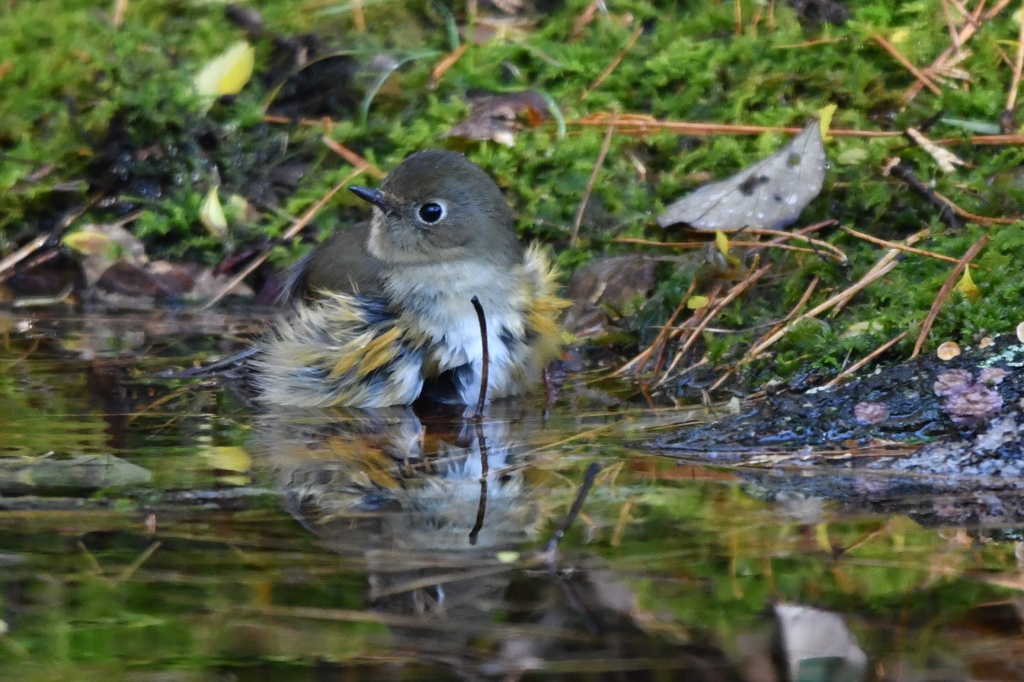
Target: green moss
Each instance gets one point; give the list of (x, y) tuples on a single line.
[(68, 74)]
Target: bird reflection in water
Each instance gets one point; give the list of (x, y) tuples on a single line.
[(440, 508)]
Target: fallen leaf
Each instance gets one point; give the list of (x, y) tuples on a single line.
[(697, 302), (967, 287), (497, 116), (103, 244), (211, 213), (603, 288), (227, 73), (768, 195)]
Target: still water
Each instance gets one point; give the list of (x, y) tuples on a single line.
[(162, 528)]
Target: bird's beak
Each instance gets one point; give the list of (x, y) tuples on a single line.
[(374, 196)]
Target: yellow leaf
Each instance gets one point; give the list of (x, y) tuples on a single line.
[(722, 242), (211, 213), (900, 35), (697, 302), (825, 115), (88, 242), (967, 287), (228, 73)]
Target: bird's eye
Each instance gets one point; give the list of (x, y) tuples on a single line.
[(431, 212)]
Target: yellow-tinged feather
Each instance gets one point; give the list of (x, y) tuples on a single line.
[(380, 351), (350, 354)]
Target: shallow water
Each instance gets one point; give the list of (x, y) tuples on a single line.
[(156, 528)]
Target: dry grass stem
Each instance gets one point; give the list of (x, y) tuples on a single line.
[(894, 245), (971, 217), (295, 228), (585, 18), (781, 235), (975, 20), (120, 7), (881, 268), (641, 124), (740, 287), (1018, 64), (641, 359), (808, 292), (954, 36), (593, 181), (445, 64), (358, 18), (918, 74), (947, 287), (698, 245), (21, 254), (808, 43), (352, 158), (637, 32), (866, 359)]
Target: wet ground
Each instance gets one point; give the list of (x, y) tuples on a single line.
[(159, 528)]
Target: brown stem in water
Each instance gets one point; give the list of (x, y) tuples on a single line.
[(485, 361), (574, 510)]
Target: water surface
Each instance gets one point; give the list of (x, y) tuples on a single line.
[(161, 528)]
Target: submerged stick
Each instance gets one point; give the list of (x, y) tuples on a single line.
[(574, 510), (481, 509)]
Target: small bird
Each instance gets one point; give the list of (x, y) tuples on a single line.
[(383, 312)]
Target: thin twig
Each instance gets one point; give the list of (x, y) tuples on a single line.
[(780, 236), (31, 247), (894, 245), (120, 7), (358, 17), (131, 569), (947, 287), (445, 64), (485, 359), (974, 218), (291, 232), (954, 36), (740, 287), (637, 32), (21, 254), (946, 212), (1018, 65), (866, 359), (792, 313), (584, 18), (593, 181), (643, 124), (809, 43), (881, 268), (354, 159), (574, 510), (975, 20), (918, 74), (698, 245), (644, 356)]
